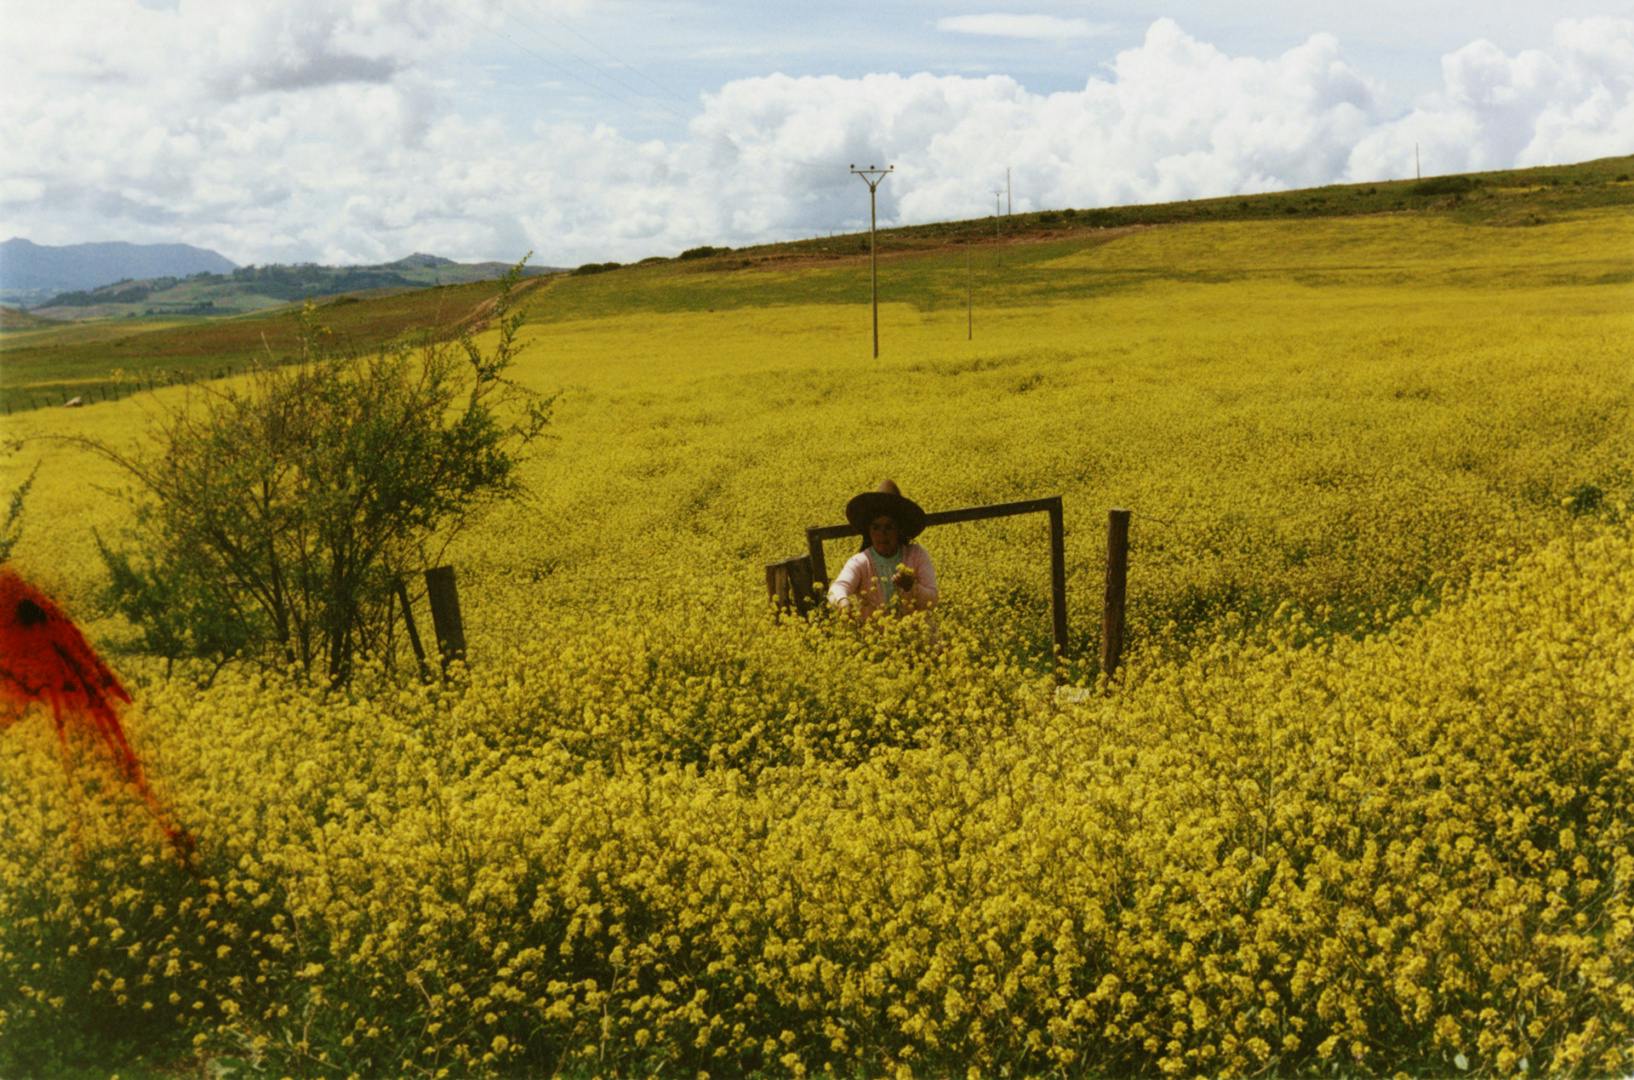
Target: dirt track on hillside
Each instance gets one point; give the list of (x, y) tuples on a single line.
[(756, 259)]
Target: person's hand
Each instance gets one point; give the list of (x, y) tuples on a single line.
[(904, 579)]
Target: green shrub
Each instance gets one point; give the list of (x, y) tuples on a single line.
[(1443, 185), (276, 518)]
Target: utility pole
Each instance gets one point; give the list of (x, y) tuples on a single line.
[(997, 216), (872, 177), (1418, 174), (1007, 191), (969, 298)]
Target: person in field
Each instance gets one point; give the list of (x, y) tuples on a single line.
[(891, 572)]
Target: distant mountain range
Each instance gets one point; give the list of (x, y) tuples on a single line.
[(31, 273), (135, 280)]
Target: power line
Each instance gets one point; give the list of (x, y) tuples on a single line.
[(666, 91), (620, 98), (603, 73), (562, 68)]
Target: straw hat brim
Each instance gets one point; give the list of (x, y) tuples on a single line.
[(908, 515)]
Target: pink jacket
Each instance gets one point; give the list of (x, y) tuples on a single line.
[(856, 584)]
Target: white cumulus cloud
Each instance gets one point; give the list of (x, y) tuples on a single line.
[(329, 132), (1570, 102)]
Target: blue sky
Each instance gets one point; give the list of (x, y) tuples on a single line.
[(359, 132), (640, 59)]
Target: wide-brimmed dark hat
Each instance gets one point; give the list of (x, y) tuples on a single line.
[(886, 499)]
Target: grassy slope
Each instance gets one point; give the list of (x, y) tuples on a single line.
[(1331, 412), (1307, 412), (41, 367), (1508, 197), (1140, 362), (48, 365), (17, 319), (1337, 415)]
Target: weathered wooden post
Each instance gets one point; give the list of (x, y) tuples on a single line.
[(1058, 578), (413, 630), (1117, 580), (814, 549), (789, 584), (445, 613)]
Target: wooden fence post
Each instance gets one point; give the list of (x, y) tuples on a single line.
[(1117, 579), (789, 583), (413, 630), (445, 613), (1058, 580), (819, 564)]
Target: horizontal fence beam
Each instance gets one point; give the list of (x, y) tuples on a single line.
[(950, 517)]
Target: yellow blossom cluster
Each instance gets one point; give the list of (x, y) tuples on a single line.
[(1361, 800)]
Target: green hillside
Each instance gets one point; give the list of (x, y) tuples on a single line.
[(1507, 197), (17, 319), (113, 358), (1014, 259)]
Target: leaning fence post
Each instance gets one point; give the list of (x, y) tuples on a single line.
[(413, 631), (789, 583), (445, 613), (1117, 580)]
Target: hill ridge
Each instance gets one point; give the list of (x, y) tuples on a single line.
[(30, 272)]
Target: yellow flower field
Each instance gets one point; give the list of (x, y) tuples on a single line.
[(1362, 800)]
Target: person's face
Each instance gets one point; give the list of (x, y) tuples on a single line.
[(883, 536)]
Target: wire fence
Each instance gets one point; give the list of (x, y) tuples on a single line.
[(83, 395)]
